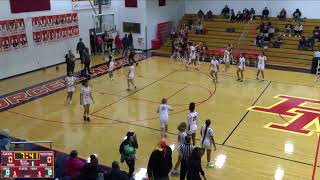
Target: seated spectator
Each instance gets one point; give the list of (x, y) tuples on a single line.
[(265, 31), (91, 170), (5, 142), (199, 28), (297, 15), (160, 162), (73, 165), (277, 42), (283, 14), (209, 15), (200, 14), (271, 31), (252, 13), (316, 33), (298, 30), (259, 41), (302, 43), (311, 42), (266, 37), (232, 16), (225, 12), (265, 13), (115, 173), (261, 27), (288, 29), (239, 17)]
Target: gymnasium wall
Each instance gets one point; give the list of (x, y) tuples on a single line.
[(309, 8)]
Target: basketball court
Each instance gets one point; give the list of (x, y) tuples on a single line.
[(263, 130)]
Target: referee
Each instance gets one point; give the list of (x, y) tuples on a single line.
[(185, 151)]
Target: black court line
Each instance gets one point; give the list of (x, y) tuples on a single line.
[(241, 120), (232, 147), (132, 93)]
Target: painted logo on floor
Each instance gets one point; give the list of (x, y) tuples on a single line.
[(298, 115)]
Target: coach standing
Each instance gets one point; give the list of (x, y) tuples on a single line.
[(86, 61), (80, 49), (185, 151)]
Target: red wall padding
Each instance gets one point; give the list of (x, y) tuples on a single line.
[(162, 2), (18, 6), (131, 3)]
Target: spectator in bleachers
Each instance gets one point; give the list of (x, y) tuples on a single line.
[(160, 162), (265, 13), (5, 140), (252, 13), (316, 33), (232, 16), (283, 14), (200, 14), (297, 15), (225, 12), (302, 43), (298, 30), (128, 151), (239, 17), (209, 15), (277, 42), (271, 31), (311, 42), (261, 26), (91, 170), (115, 173), (259, 41), (199, 28), (246, 15), (73, 165), (288, 29)]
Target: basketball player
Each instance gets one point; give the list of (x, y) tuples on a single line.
[(131, 76), (207, 141), (163, 111), (261, 65), (86, 99), (70, 82), (214, 69), (227, 59), (111, 67), (192, 122), (241, 67), (192, 58)]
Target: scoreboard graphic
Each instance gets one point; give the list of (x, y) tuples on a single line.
[(27, 164)]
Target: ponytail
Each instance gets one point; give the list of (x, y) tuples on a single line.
[(208, 122)]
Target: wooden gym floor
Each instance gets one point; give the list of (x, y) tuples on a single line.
[(246, 148)]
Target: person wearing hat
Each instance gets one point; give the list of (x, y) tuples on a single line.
[(128, 151), (4, 140), (160, 162), (73, 165)]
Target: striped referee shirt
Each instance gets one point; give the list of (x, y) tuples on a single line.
[(185, 151)]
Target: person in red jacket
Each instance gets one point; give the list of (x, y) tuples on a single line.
[(73, 165), (118, 44)]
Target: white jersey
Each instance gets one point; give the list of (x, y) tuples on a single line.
[(70, 81), (164, 111), (192, 52), (206, 135), (182, 137), (242, 63), (261, 60), (85, 91), (226, 56), (214, 65), (193, 118), (111, 65), (131, 72)]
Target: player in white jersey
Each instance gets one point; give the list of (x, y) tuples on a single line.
[(192, 58), (192, 122), (182, 127), (214, 69), (227, 57), (207, 141), (163, 111), (111, 67), (70, 82), (131, 76), (241, 67), (86, 99), (261, 65)]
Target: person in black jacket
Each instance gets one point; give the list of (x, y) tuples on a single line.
[(115, 173), (297, 15), (225, 12), (194, 166), (80, 49), (160, 162), (86, 61), (91, 170), (265, 13), (130, 37), (70, 62)]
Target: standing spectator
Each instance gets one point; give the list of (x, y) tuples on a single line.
[(239, 17), (160, 162), (265, 13), (209, 15), (297, 15), (73, 165), (316, 33), (200, 14), (225, 12), (252, 13), (92, 42), (70, 61), (185, 151), (118, 44), (4, 140), (298, 30), (99, 44), (91, 170), (86, 61), (282, 15), (81, 49), (130, 37), (128, 151), (194, 166), (232, 16), (115, 173), (199, 28), (126, 45), (132, 53), (288, 29)]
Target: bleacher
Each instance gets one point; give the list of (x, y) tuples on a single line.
[(287, 55)]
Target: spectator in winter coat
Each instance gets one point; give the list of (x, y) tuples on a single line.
[(73, 165)]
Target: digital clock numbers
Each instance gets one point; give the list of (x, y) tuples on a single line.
[(27, 164)]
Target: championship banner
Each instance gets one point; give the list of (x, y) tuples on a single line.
[(12, 35), (85, 4)]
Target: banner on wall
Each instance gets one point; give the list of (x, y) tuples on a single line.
[(47, 29), (85, 4), (12, 35)]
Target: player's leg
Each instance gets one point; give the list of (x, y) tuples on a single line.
[(241, 73), (88, 112), (258, 72), (238, 74)]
